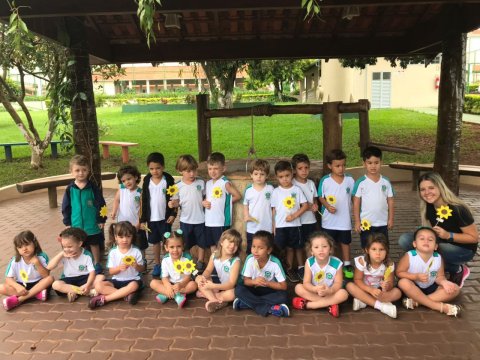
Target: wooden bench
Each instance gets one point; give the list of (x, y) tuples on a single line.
[(53, 146), (125, 145), (470, 170), (51, 183)]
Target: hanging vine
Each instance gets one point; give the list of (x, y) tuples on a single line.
[(146, 15), (312, 8)]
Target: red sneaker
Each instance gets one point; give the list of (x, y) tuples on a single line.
[(299, 303), (334, 310)]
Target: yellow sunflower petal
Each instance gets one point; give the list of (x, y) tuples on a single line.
[(179, 265), (172, 190), (319, 276), (103, 211), (188, 266), (444, 212), (289, 202), (217, 192), (331, 199), (387, 273), (365, 225), (24, 275), (128, 260)]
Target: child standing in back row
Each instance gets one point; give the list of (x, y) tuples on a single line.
[(257, 210), (81, 207), (155, 216), (301, 166), (335, 194), (220, 194), (373, 198)]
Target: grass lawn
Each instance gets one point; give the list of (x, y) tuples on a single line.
[(174, 133)]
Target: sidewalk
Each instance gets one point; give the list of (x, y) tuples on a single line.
[(58, 330), (470, 118)]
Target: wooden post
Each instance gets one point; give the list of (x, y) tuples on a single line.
[(332, 130), (450, 101), (204, 131), (364, 126)]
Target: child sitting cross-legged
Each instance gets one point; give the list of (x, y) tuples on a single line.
[(322, 284), (422, 276), (217, 283), (374, 275), (177, 268)]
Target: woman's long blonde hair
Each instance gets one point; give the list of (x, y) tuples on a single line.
[(445, 193)]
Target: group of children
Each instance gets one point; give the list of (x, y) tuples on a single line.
[(280, 222)]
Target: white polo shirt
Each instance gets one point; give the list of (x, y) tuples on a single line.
[(190, 198), (341, 219), (310, 193), (281, 211), (220, 212), (259, 207)]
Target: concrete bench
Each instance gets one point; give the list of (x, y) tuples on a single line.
[(124, 145), (470, 170), (51, 183), (53, 146)]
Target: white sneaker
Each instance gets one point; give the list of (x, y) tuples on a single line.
[(357, 304), (408, 303), (453, 310), (389, 309)]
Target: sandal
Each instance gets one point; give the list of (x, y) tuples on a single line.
[(452, 310)]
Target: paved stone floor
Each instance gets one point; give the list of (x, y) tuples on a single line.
[(59, 330)]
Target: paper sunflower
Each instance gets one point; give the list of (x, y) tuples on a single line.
[(217, 192), (444, 212), (24, 276), (365, 225), (331, 199), (146, 228), (128, 260), (387, 273), (319, 276), (188, 266), (103, 211), (289, 202), (172, 190), (77, 290), (179, 266)]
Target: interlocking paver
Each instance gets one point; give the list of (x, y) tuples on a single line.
[(148, 330)]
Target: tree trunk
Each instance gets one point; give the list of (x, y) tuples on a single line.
[(84, 116), (450, 105), (36, 157)]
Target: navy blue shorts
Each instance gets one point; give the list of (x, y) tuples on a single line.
[(95, 239), (75, 280), (429, 290), (289, 237), (307, 229), (213, 233), (373, 229), (249, 243), (29, 285), (193, 234), (118, 284), (340, 236), (158, 228), (142, 242)]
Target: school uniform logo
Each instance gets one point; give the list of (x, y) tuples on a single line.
[(348, 190), (433, 274), (384, 188), (268, 195), (226, 269), (294, 195), (199, 187), (268, 274), (329, 276), (137, 199), (90, 203), (82, 268)]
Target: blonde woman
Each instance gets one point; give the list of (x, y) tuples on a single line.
[(456, 231)]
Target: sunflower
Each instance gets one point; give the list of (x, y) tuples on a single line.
[(217, 192), (331, 199), (24, 276), (103, 211), (128, 260), (179, 266), (289, 202), (172, 190), (387, 273), (188, 266), (77, 290), (365, 225), (319, 276), (444, 212)]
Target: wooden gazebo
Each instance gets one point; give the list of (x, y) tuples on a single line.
[(108, 31)]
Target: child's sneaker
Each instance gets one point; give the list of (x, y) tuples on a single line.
[(157, 270), (389, 309), (334, 310), (348, 271), (357, 304), (301, 272), (72, 297), (460, 277), (160, 298), (280, 310), (96, 301), (453, 310), (408, 303), (93, 293), (292, 276), (213, 305), (299, 303), (10, 302), (239, 304), (42, 295), (180, 299), (132, 298), (98, 269)]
